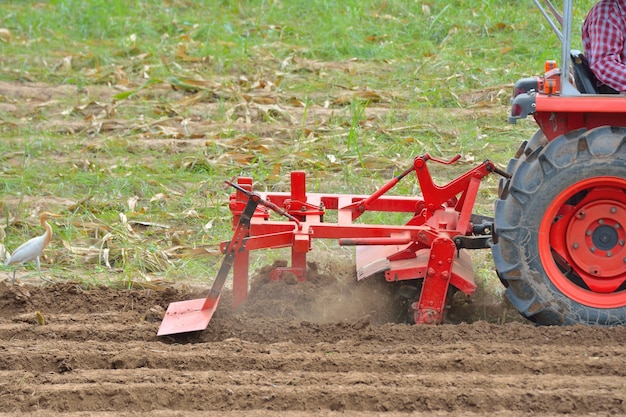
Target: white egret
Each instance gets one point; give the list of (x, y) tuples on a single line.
[(32, 249)]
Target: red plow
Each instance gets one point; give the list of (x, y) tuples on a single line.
[(557, 238), (431, 249)]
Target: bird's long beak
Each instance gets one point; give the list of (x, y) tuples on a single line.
[(48, 215)]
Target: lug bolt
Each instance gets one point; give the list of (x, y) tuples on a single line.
[(575, 245), (613, 210), (601, 221), (621, 242), (609, 254), (592, 249), (588, 233)]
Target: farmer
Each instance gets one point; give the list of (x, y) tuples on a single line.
[(604, 34)]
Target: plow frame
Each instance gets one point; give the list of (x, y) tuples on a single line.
[(429, 247)]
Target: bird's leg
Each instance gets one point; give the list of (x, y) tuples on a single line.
[(39, 269)]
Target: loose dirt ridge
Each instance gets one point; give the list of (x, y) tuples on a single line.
[(97, 354)]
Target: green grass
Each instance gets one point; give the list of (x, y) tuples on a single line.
[(459, 44), (161, 101)]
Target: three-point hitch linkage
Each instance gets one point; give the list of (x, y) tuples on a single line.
[(430, 249)]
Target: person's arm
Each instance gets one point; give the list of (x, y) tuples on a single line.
[(606, 42)]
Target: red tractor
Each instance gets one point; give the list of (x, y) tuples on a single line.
[(558, 235), (560, 218)]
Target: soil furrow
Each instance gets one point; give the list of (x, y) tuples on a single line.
[(236, 355), (108, 361), (467, 393)]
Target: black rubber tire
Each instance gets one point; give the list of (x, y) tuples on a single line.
[(526, 149), (530, 148), (538, 177)]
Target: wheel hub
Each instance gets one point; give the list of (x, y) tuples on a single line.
[(596, 237), (605, 237)]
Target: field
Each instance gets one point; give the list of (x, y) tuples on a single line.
[(127, 117), (98, 355)]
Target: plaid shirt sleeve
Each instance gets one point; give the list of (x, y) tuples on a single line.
[(603, 39)]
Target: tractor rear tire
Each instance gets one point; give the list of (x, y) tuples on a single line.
[(560, 225), (526, 149)]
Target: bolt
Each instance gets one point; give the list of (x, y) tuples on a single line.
[(429, 317), (580, 215), (575, 245), (617, 225), (601, 221), (588, 233), (592, 249), (609, 254), (613, 210), (621, 242)]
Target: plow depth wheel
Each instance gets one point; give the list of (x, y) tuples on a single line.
[(561, 230)]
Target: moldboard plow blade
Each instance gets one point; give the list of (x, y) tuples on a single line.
[(194, 315), (188, 316)]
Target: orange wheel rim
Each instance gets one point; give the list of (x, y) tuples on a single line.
[(582, 242)]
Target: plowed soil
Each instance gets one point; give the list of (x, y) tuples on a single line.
[(70, 350)]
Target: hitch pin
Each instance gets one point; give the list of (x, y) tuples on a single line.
[(491, 167)]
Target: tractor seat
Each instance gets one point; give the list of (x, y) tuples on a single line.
[(585, 81)]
